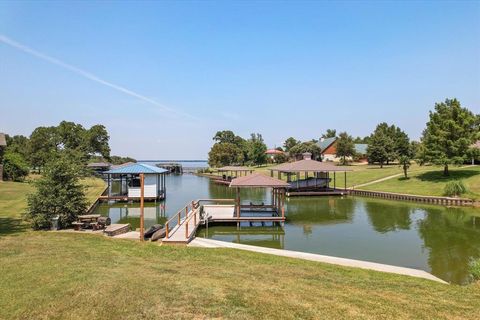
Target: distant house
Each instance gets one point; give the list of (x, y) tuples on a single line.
[(3, 144), (328, 147), (271, 153)]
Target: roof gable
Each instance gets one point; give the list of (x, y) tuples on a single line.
[(325, 143), (258, 180), (136, 168)]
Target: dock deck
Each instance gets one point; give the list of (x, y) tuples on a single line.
[(193, 215)]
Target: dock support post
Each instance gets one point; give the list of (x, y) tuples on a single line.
[(142, 194)]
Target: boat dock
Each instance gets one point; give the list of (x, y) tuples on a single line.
[(181, 228)]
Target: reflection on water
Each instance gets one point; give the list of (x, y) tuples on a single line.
[(436, 239)]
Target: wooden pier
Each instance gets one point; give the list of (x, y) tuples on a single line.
[(181, 228)]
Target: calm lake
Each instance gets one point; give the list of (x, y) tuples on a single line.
[(433, 238)]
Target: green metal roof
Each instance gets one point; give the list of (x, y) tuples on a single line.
[(326, 143), (361, 148), (136, 168)]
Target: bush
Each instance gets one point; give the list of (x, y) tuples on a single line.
[(14, 166), (58, 193), (474, 267), (454, 188)]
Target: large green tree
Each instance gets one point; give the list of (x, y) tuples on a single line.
[(256, 149), (308, 146), (15, 167), (290, 143), (57, 193), (345, 146), (330, 133), (71, 138), (19, 144), (380, 150), (44, 142), (224, 154), (450, 131), (399, 139)]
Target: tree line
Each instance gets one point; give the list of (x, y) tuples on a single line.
[(447, 139), (81, 145)]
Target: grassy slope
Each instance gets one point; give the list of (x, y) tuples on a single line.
[(78, 276), (363, 173), (432, 183), (13, 201)]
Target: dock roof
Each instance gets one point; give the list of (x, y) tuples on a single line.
[(234, 168), (136, 168), (258, 180), (309, 166)]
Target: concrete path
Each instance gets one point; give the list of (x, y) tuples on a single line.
[(376, 181), (208, 243)]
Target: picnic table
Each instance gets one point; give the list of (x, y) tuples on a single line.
[(86, 220)]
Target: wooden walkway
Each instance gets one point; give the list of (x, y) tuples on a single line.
[(181, 228), (185, 230)]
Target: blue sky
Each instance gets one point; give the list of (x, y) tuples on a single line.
[(163, 77)]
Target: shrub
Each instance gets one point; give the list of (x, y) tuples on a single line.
[(14, 166), (58, 193), (454, 188), (474, 267)]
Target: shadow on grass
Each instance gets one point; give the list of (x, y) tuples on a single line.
[(437, 176), (9, 226)]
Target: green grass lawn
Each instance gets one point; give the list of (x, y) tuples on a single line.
[(13, 201), (361, 174), (79, 276), (432, 183), (62, 275)]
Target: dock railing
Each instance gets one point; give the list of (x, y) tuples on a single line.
[(189, 211)]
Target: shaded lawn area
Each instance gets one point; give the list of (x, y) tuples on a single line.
[(432, 182), (79, 276), (13, 203)]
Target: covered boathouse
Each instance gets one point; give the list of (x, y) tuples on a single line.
[(322, 181), (124, 182)]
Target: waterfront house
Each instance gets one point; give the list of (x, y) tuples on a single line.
[(271, 153), (124, 182), (328, 147)]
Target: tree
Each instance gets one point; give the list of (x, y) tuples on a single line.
[(18, 144), (380, 148), (331, 133), (44, 141), (400, 141), (450, 131), (364, 140), (280, 158), (308, 146), (345, 146), (57, 193), (405, 163), (15, 167), (290, 143), (256, 149), (224, 154), (96, 141)]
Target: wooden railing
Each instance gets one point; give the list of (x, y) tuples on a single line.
[(178, 217), (194, 208)]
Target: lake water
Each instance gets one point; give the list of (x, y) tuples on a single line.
[(437, 239)]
